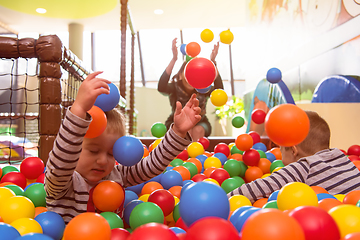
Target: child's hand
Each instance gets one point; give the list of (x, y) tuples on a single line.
[(174, 49), (214, 52), (88, 91), (186, 118)]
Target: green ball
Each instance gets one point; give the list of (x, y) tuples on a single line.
[(8, 169), (230, 184), (188, 58), (145, 212), (191, 167), (358, 204), (262, 154), (233, 167), (158, 129), (36, 193), (239, 179), (176, 212), (113, 219), (176, 162), (271, 204), (238, 122), (16, 189), (244, 167), (275, 164), (234, 150)]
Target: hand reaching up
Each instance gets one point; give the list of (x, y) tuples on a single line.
[(186, 118)]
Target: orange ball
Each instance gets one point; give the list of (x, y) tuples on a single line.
[(318, 189), (329, 203), (352, 197), (260, 202), (87, 226), (287, 125), (184, 172), (264, 164), (244, 142), (175, 191), (253, 173), (39, 210), (357, 164), (146, 151), (108, 196), (98, 123), (236, 156), (197, 163), (208, 171), (276, 151), (149, 187), (192, 49)]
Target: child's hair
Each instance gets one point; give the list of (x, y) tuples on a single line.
[(115, 122), (318, 137), (176, 77)]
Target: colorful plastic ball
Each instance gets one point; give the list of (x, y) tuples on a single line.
[(218, 97), (260, 146), (16, 178), (273, 195), (107, 102), (153, 231), (206, 35), (108, 196), (273, 75), (316, 223), (208, 200), (322, 196), (296, 194), (119, 234), (238, 121), (129, 196), (52, 224), (352, 197), (16, 207), (275, 164), (177, 230), (26, 225), (231, 184), (347, 218), (205, 142), (236, 214), (128, 209), (271, 204), (200, 72), (36, 193), (16, 189), (222, 148), (136, 188), (145, 213), (8, 169), (255, 136), (233, 167), (193, 169), (184, 155), (354, 150), (271, 157), (188, 58), (212, 228), (212, 162), (8, 232), (287, 125), (98, 123), (113, 219), (151, 186), (158, 129), (274, 224), (251, 157), (258, 116), (238, 201), (226, 37), (128, 150), (32, 167), (329, 203), (184, 172), (192, 49), (221, 156), (220, 175), (34, 236), (203, 90), (198, 164), (244, 142), (171, 178), (182, 49), (41, 178), (264, 165), (164, 199), (260, 202), (89, 226), (253, 173), (6, 193), (243, 217), (194, 149)]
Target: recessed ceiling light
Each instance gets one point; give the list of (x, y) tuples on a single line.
[(41, 10), (158, 11)]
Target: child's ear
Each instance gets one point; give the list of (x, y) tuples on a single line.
[(295, 151)]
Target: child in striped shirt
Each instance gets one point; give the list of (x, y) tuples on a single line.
[(76, 164), (311, 162)]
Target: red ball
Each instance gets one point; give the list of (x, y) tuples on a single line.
[(200, 72), (255, 136), (353, 158), (180, 223), (258, 116), (354, 150), (164, 199), (212, 228), (220, 175), (41, 178), (316, 223), (222, 148), (16, 178), (153, 231), (119, 234), (251, 157), (32, 167), (183, 155), (205, 142), (199, 177)]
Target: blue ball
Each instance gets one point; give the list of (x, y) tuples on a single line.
[(183, 49), (273, 75), (236, 214), (322, 196), (260, 146), (156, 178), (129, 196), (177, 230), (8, 232), (128, 209), (270, 156), (202, 159), (273, 196), (136, 188), (128, 150), (222, 157), (203, 90), (108, 101), (52, 224), (34, 236), (244, 216), (171, 178), (203, 199)]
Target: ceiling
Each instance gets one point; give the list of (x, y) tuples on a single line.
[(20, 15)]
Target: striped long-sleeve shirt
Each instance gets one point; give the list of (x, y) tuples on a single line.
[(68, 192), (329, 169)]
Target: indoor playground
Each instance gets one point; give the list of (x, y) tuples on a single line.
[(248, 179)]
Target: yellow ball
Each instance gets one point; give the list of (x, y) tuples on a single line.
[(144, 197), (26, 225), (277, 169), (5, 193), (195, 149), (16, 207), (265, 175), (340, 197), (207, 35), (226, 37), (156, 142), (218, 97), (212, 162), (211, 180), (177, 200), (238, 201), (296, 194), (347, 218)]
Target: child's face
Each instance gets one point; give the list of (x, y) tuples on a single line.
[(96, 159)]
